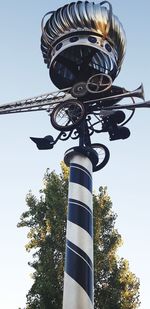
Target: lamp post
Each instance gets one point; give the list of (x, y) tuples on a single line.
[(83, 45)]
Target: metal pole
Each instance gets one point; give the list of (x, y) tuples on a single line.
[(78, 275)]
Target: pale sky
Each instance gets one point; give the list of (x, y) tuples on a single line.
[(22, 167)]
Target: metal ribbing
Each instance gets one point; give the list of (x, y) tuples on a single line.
[(83, 16), (78, 278)]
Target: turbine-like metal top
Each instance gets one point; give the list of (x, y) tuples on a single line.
[(84, 17)]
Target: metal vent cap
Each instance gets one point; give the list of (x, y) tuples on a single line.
[(83, 24)]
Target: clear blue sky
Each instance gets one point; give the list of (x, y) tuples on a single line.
[(22, 166)]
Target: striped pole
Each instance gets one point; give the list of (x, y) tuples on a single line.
[(78, 275)]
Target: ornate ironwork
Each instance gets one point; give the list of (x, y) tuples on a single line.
[(77, 113)]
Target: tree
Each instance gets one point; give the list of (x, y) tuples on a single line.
[(116, 287)]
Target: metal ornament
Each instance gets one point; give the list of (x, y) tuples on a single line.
[(79, 90), (83, 45)]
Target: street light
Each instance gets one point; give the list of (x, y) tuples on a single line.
[(83, 45)]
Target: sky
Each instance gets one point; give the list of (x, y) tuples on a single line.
[(23, 74)]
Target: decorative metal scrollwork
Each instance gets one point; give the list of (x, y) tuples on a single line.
[(79, 111)]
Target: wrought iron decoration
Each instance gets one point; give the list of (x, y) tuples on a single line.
[(83, 45)]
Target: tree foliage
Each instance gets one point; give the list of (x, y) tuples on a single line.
[(116, 287)]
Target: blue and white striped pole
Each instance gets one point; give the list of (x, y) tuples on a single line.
[(78, 276)]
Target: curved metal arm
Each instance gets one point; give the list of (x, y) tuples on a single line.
[(42, 27), (110, 13)]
